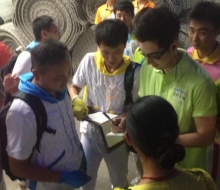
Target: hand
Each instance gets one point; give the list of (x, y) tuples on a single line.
[(120, 121), (115, 128), (74, 179), (79, 109), (11, 83)]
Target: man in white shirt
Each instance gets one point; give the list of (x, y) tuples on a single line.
[(51, 70)]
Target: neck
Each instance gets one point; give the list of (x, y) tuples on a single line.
[(142, 2), (52, 93), (154, 172), (173, 61), (207, 51), (113, 68), (111, 4)]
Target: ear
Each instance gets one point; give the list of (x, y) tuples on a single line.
[(174, 45), (36, 74), (127, 138), (217, 32), (43, 34)]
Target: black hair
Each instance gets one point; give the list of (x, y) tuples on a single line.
[(152, 125), (159, 25), (41, 23), (206, 11), (50, 52), (111, 33), (124, 5)]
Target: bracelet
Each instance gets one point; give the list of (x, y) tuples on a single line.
[(74, 97)]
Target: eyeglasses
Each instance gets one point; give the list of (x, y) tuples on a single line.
[(156, 55)]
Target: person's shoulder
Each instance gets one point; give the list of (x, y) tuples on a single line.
[(20, 107), (89, 58), (25, 53), (24, 56), (200, 175), (102, 7), (191, 66), (135, 3), (190, 50), (151, 4)]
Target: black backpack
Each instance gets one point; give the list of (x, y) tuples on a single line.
[(128, 85), (41, 119), (129, 81)]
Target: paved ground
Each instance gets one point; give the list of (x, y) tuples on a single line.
[(103, 182)]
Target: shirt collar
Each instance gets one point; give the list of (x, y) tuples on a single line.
[(180, 69), (136, 4), (211, 59), (106, 7)]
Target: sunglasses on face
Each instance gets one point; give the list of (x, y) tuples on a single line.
[(156, 55)]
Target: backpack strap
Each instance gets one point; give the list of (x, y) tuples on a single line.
[(129, 81), (40, 114)]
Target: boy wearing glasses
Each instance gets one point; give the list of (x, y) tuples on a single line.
[(103, 74), (173, 75)]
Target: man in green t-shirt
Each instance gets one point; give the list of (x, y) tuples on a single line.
[(170, 73)]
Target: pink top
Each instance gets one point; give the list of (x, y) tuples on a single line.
[(211, 63)]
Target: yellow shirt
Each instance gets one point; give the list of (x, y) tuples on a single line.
[(192, 179), (149, 4), (103, 13)]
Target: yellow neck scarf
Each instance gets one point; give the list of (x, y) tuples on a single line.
[(100, 63)]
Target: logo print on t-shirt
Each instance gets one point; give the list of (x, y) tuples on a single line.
[(179, 95)]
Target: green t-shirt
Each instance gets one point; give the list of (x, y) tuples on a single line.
[(195, 179), (191, 92)]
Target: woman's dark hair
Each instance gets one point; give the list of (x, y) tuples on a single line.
[(206, 11), (111, 33), (41, 23), (152, 125), (158, 25)]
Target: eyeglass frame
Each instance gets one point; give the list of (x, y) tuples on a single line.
[(151, 55)]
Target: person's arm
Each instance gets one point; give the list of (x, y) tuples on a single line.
[(204, 136), (98, 18), (27, 170), (74, 90), (79, 81), (11, 83), (22, 64)]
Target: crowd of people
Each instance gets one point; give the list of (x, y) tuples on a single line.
[(169, 125)]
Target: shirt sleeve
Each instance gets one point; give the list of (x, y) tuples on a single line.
[(98, 18), (21, 130), (23, 63), (152, 4), (80, 77), (204, 103)]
